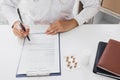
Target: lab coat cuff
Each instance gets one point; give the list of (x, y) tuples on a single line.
[(79, 20)]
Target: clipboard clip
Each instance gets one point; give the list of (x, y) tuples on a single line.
[(38, 73)]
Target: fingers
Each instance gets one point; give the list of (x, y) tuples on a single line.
[(19, 32), (61, 26), (52, 30), (27, 31)]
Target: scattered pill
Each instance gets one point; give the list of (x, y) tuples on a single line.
[(75, 66), (70, 67), (72, 56), (67, 59), (69, 62), (73, 61)]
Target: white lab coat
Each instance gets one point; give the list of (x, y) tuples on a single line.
[(47, 11)]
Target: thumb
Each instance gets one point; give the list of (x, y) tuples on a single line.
[(27, 30)]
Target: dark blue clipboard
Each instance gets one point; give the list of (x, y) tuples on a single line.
[(51, 74)]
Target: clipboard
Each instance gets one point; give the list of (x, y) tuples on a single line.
[(40, 73)]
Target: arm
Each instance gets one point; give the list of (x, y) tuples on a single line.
[(9, 9), (90, 8)]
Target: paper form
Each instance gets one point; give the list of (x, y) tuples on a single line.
[(41, 54)]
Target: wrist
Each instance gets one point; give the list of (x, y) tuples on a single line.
[(74, 22)]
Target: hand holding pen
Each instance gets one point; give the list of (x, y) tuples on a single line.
[(21, 30)]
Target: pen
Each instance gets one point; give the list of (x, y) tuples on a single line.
[(23, 28)]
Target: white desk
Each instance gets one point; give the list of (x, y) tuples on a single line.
[(73, 42)]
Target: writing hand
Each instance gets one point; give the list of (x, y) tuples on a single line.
[(18, 31)]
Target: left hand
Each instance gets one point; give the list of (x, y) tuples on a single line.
[(61, 26)]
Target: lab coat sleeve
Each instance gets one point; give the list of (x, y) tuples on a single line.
[(87, 13), (9, 10)]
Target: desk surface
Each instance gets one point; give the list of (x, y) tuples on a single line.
[(74, 42)]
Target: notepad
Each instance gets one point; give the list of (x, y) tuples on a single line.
[(110, 59), (97, 70), (40, 56)]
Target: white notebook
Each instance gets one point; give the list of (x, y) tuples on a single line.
[(40, 56)]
